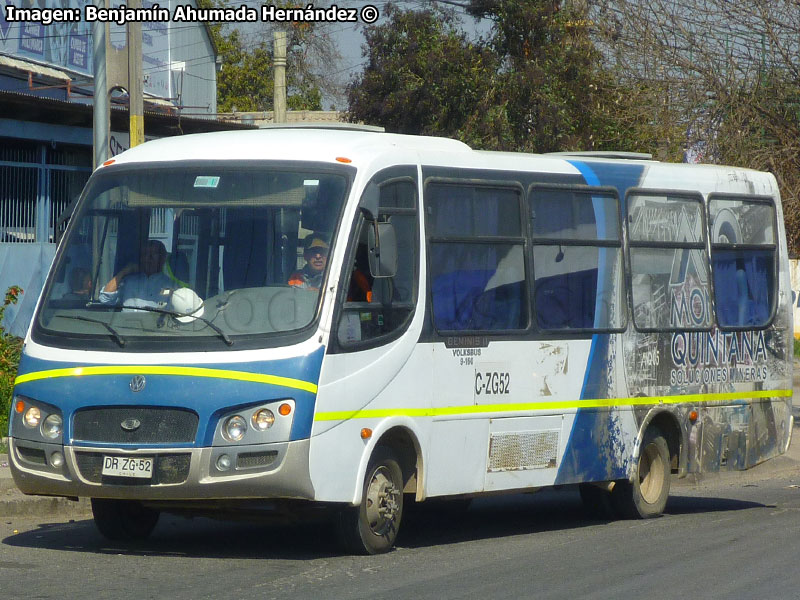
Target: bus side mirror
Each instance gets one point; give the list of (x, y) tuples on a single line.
[(382, 243)]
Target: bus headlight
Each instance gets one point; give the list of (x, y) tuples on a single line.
[(234, 428), (263, 419), (52, 426), (32, 418)]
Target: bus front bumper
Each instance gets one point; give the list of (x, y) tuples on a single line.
[(277, 470)]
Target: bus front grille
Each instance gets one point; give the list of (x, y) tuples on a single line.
[(135, 425), (168, 468)]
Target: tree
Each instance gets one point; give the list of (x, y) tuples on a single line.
[(423, 76), (727, 73), (535, 84), (246, 79)]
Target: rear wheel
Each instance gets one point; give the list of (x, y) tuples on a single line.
[(123, 520), (371, 527), (646, 496)]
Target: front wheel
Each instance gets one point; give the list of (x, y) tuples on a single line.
[(123, 520), (646, 496), (371, 527)]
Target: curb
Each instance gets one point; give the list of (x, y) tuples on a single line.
[(14, 503)]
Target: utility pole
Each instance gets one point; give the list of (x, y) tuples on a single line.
[(101, 114), (135, 79), (279, 77)]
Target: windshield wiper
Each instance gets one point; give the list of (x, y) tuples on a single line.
[(173, 313), (117, 337)]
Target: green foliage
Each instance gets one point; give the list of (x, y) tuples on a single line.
[(246, 79), (423, 76), (536, 84), (797, 347), (10, 351)]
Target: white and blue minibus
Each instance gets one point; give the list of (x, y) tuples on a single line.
[(300, 318)]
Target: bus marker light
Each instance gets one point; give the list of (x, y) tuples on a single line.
[(693, 416), (20, 406), (366, 433), (343, 159), (109, 162), (285, 409)]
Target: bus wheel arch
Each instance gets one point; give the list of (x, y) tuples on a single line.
[(406, 447)]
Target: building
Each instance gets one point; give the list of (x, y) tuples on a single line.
[(46, 95)]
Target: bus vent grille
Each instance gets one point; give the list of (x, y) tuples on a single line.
[(523, 450), (250, 460), (154, 425), (168, 468)]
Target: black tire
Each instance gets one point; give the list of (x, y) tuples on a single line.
[(646, 496), (597, 502), (123, 520), (371, 527)]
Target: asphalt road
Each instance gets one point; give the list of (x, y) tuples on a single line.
[(725, 537), (731, 536)]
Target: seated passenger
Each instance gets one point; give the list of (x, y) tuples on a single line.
[(315, 254), (142, 284), (80, 285)]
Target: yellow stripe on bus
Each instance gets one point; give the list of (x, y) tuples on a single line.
[(452, 411), (288, 382)]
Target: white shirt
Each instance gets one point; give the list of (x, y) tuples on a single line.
[(139, 290)]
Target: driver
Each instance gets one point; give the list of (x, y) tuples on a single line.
[(142, 284), (315, 253)]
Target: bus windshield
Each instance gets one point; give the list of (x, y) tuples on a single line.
[(193, 254)]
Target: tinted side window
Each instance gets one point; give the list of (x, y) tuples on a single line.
[(577, 259), (669, 262), (476, 257), (743, 253)]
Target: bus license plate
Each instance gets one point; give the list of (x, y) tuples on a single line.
[(128, 466)]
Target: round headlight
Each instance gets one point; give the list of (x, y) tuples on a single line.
[(263, 419), (32, 417), (234, 428), (51, 428), (223, 462)]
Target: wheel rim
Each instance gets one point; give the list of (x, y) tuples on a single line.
[(382, 502), (651, 474)]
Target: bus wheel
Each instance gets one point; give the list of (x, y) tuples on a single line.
[(123, 520), (371, 527), (646, 495)]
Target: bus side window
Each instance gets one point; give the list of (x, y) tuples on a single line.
[(377, 307), (743, 250)]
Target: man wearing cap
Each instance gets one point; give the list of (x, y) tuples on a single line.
[(315, 253)]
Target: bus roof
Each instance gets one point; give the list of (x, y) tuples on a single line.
[(361, 146)]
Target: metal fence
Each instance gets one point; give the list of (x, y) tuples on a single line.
[(37, 184)]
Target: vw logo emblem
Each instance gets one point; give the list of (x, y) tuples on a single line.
[(131, 424), (137, 383)]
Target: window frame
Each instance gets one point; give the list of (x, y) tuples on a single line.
[(774, 246), (608, 191), (522, 240), (630, 243), (393, 175)]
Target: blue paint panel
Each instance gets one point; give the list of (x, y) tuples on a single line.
[(589, 452), (208, 397)]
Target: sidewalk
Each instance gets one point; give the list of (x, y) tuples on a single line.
[(14, 503)]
